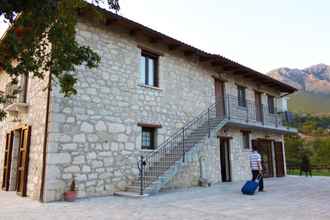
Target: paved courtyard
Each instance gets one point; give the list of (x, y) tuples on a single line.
[(286, 198)]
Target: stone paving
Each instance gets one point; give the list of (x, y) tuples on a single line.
[(286, 198)]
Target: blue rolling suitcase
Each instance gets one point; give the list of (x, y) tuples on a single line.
[(250, 186)]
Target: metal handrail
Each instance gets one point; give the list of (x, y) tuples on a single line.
[(174, 135), (175, 145)]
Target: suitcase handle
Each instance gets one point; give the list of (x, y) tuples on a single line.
[(258, 178)]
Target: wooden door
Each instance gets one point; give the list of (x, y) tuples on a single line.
[(23, 161), (225, 159), (279, 159), (264, 148), (219, 98), (258, 106), (7, 161)]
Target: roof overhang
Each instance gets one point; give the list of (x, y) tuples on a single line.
[(217, 61), (252, 126), (133, 28)]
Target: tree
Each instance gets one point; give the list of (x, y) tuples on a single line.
[(321, 147), (37, 24), (294, 148)]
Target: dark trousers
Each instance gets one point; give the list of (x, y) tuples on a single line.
[(309, 171), (255, 174)]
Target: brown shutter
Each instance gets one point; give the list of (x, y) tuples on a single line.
[(23, 161), (279, 159), (7, 161), (219, 98)]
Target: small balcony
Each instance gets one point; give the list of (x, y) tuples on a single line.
[(16, 95), (251, 114)]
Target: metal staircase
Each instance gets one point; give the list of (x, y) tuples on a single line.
[(157, 168)]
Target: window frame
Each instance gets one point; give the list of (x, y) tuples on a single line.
[(246, 139), (241, 97), (147, 55), (153, 135), (271, 104)]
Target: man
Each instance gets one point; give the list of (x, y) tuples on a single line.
[(305, 166), (256, 168)]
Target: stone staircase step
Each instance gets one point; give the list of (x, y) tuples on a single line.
[(156, 172), (130, 194)]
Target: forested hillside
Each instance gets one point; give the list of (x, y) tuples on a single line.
[(313, 140), (310, 102)]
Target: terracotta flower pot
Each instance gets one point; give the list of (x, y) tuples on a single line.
[(19, 31), (70, 196)]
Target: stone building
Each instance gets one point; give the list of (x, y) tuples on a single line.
[(194, 116)]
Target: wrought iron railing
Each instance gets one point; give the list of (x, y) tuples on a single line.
[(14, 94), (252, 112), (175, 147)]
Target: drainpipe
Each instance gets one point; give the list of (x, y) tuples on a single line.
[(43, 174)]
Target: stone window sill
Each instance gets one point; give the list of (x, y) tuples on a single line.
[(147, 150), (150, 87)]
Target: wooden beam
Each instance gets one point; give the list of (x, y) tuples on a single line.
[(216, 63), (228, 68), (134, 32), (154, 40), (188, 53), (150, 50), (240, 72), (110, 21), (147, 125), (173, 46), (204, 59)]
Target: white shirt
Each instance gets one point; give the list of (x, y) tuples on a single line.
[(255, 159)]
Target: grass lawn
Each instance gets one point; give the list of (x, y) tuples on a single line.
[(314, 172)]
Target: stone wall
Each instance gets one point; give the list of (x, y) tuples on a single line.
[(35, 117), (94, 136), (203, 161), (240, 165), (208, 154)]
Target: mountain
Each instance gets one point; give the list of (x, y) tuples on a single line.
[(313, 84)]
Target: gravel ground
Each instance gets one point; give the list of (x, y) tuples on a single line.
[(291, 197)]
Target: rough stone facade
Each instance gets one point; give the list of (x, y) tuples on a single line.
[(202, 162), (34, 117), (94, 137), (239, 156)]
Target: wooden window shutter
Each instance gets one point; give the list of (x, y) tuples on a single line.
[(23, 161), (7, 161)]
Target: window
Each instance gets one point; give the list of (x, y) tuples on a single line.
[(148, 138), (271, 105), (246, 139), (241, 96), (149, 69), (17, 92)]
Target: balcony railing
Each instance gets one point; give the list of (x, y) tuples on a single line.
[(175, 147), (15, 94), (251, 112)]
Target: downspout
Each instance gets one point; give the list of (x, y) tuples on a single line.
[(44, 157)]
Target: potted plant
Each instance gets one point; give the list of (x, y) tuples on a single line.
[(21, 30), (71, 195)]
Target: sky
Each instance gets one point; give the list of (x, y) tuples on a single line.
[(260, 34)]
